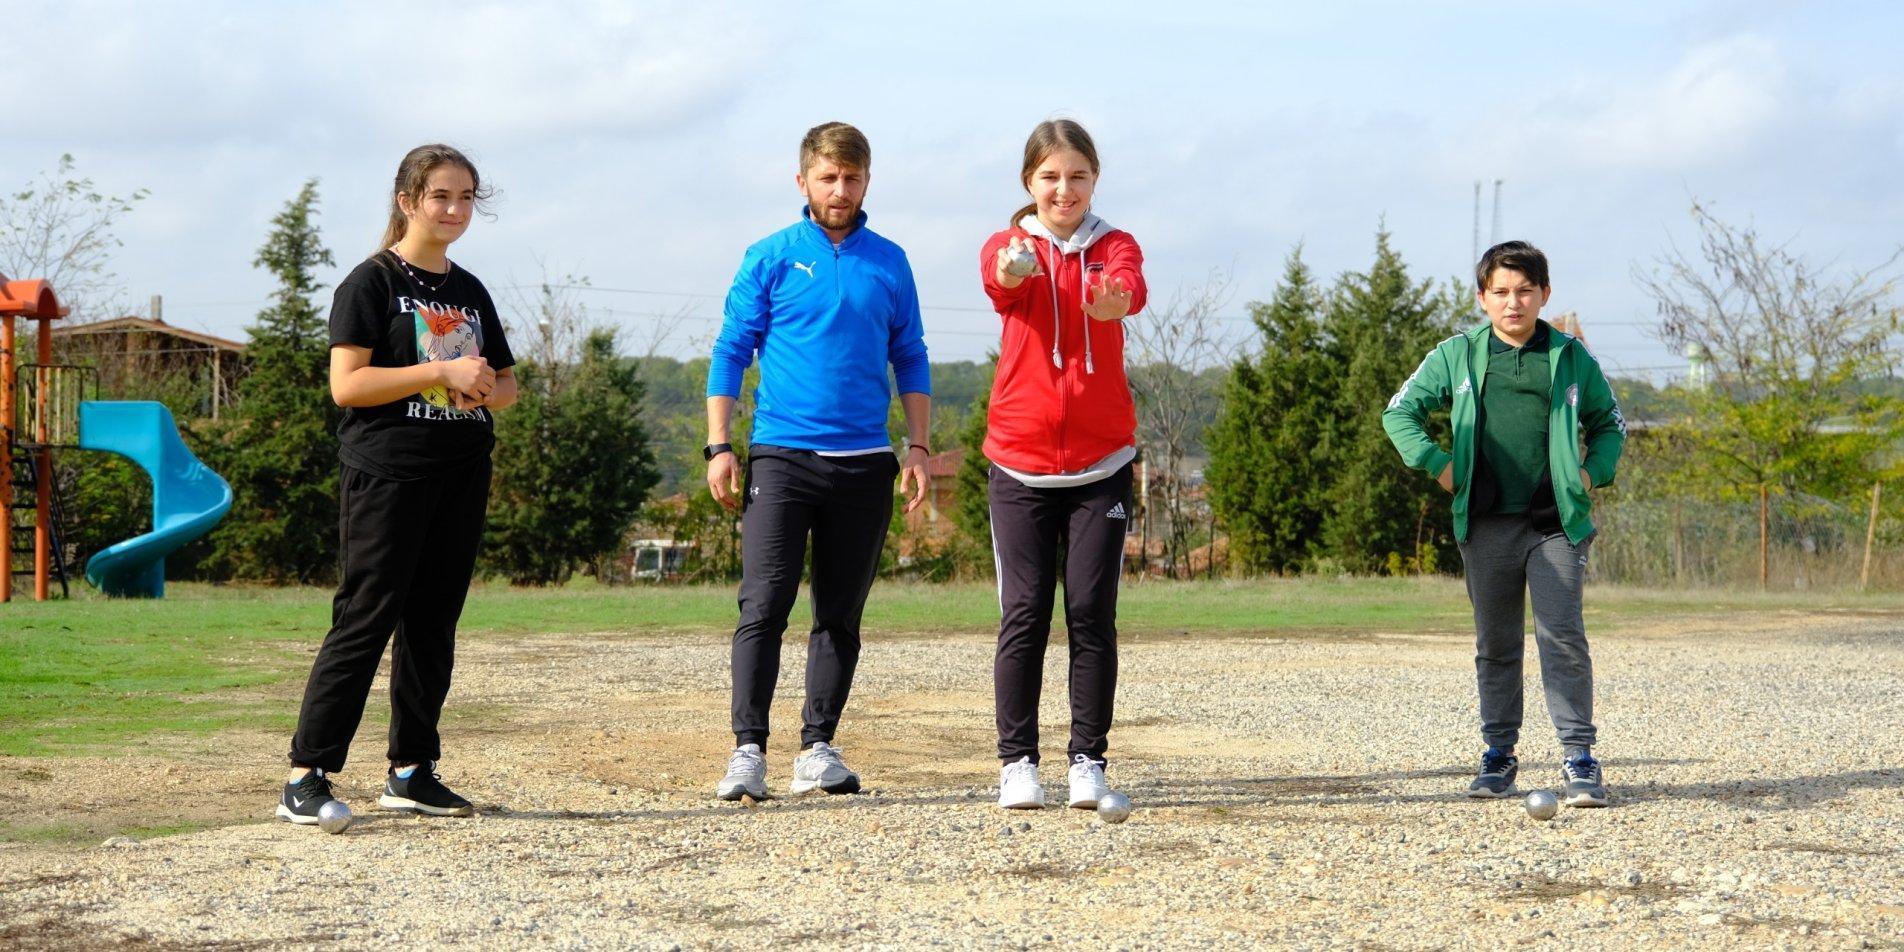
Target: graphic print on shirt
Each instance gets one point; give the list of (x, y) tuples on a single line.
[(444, 333)]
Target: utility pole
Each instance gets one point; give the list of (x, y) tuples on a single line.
[(1474, 254), (1496, 239)]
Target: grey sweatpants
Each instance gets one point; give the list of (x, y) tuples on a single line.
[(1506, 561)]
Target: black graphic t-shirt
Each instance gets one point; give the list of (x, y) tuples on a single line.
[(382, 307)]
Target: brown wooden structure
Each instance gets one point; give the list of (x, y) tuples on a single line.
[(128, 350)]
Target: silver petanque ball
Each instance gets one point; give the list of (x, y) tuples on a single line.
[(1114, 807), (1022, 262), (1541, 805), (333, 817)]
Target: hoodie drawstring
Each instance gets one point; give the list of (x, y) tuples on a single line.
[(1084, 286), (1057, 321), (1057, 326)]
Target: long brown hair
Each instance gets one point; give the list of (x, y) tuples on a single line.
[(1052, 135), (413, 173)]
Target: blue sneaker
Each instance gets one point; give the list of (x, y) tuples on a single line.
[(1496, 779), (1581, 783)]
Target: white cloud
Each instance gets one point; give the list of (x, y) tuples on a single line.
[(1712, 106), (271, 71), (646, 143)]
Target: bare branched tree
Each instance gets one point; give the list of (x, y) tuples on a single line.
[(660, 327), (1767, 318), (1793, 350), (552, 322), (1170, 349), (61, 229)]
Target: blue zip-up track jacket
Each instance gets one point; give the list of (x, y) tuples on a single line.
[(826, 322)]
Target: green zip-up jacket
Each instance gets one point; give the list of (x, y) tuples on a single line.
[(1582, 408)]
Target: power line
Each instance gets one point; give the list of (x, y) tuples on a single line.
[(702, 319)]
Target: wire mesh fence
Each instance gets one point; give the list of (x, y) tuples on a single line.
[(1808, 543)]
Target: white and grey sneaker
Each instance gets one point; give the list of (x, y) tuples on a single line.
[(820, 767), (1584, 785), (1087, 783), (746, 774), (1018, 786)]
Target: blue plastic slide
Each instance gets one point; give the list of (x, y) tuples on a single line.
[(188, 498)]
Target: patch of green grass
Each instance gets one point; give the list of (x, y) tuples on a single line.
[(63, 834), (75, 675), (165, 829), (92, 834), (1225, 607), (93, 674)]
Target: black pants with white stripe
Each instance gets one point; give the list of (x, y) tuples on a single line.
[(845, 504), (1031, 529)]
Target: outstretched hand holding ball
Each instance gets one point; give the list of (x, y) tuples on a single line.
[(1016, 262)]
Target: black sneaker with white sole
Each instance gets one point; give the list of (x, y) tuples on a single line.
[(303, 799), (422, 792), (1496, 779), (1584, 786)]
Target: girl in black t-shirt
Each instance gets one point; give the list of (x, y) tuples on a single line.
[(419, 362)]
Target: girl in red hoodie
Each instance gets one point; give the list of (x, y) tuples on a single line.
[(1061, 437)]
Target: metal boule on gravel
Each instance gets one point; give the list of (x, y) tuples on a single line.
[(1541, 805), (1021, 262), (333, 817), (1114, 807)]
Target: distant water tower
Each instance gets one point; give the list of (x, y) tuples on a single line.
[(1698, 366)]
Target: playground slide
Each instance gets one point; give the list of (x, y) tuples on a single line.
[(187, 497)]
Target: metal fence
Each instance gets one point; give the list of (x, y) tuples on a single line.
[(1811, 543)]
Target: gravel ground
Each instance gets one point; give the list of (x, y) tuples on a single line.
[(1292, 792)]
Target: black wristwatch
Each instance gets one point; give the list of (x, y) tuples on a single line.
[(712, 450)]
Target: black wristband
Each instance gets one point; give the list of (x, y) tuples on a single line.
[(919, 446), (712, 450)]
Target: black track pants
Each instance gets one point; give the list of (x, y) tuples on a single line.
[(407, 551), (1029, 528), (845, 504)]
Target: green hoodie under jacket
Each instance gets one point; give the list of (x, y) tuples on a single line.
[(1582, 407)]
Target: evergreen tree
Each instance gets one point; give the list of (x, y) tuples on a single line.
[(1380, 325), (573, 466), (971, 513), (278, 447), (1268, 470)]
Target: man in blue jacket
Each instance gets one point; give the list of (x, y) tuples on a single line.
[(827, 305)]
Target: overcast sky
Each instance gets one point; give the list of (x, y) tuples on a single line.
[(645, 145)]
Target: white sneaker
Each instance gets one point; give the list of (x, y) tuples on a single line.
[(746, 774), (1087, 783), (821, 766), (1018, 786)]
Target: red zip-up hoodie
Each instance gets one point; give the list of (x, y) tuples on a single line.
[(1060, 401)]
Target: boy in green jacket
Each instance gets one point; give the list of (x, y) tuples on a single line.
[(1525, 398)]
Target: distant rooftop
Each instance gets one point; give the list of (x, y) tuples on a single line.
[(133, 325)]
